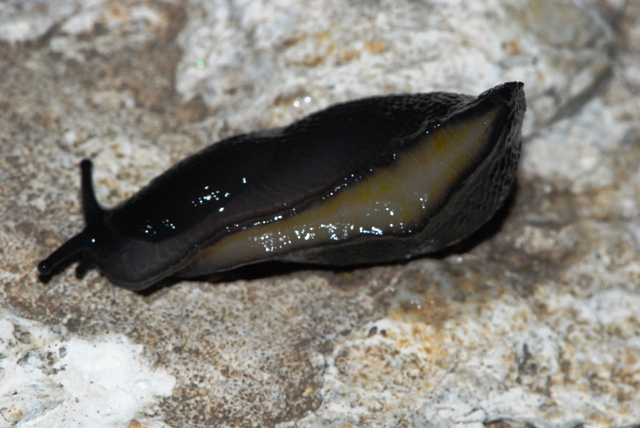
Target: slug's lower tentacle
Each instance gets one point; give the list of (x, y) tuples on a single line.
[(69, 249)]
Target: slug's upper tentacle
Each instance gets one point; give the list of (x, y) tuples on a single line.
[(93, 212)]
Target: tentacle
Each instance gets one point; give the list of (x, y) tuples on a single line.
[(93, 212), (93, 216)]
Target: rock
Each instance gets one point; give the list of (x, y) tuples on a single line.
[(534, 324)]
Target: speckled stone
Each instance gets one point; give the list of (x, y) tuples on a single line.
[(535, 324)]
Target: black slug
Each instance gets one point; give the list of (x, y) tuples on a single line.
[(375, 180)]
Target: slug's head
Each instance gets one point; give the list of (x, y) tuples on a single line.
[(95, 239)]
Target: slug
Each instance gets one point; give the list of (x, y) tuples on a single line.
[(375, 180)]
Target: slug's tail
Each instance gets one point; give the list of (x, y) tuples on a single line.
[(82, 242)]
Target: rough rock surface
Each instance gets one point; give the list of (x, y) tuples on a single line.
[(536, 325)]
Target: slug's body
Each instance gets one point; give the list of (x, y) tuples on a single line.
[(375, 180)]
